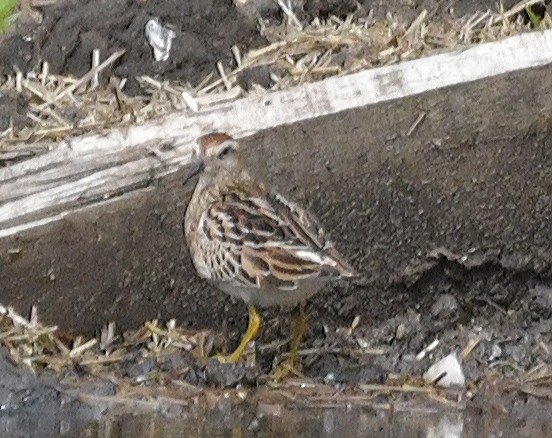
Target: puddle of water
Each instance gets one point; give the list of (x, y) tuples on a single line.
[(273, 421)]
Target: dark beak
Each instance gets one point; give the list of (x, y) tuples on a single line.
[(194, 171)]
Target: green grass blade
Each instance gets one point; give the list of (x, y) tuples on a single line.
[(533, 17), (6, 11)]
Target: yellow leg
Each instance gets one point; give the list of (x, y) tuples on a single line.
[(251, 333), (301, 325), (292, 365)]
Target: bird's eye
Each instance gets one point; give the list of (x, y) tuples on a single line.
[(226, 151)]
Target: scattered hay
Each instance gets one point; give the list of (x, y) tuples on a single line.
[(297, 53), (44, 347)]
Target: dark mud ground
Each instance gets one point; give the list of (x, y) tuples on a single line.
[(505, 303)]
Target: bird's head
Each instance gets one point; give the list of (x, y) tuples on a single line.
[(215, 152)]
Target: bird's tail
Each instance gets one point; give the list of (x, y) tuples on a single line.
[(343, 267)]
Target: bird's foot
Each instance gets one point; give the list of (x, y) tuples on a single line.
[(227, 358), (250, 335), (289, 368)]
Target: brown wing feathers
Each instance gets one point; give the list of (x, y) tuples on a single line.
[(268, 239)]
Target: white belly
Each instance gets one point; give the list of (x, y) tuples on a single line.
[(267, 297)]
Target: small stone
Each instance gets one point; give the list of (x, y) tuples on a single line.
[(417, 341), (516, 352), (409, 324), (140, 369), (402, 332), (329, 378), (326, 365), (255, 9), (177, 361), (496, 352), (355, 375), (229, 375), (444, 306), (544, 327), (446, 372), (98, 387), (542, 296), (254, 425), (195, 377), (408, 358)]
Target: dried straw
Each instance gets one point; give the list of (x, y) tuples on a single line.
[(44, 347)]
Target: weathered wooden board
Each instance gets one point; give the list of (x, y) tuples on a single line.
[(462, 160), (84, 170)]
